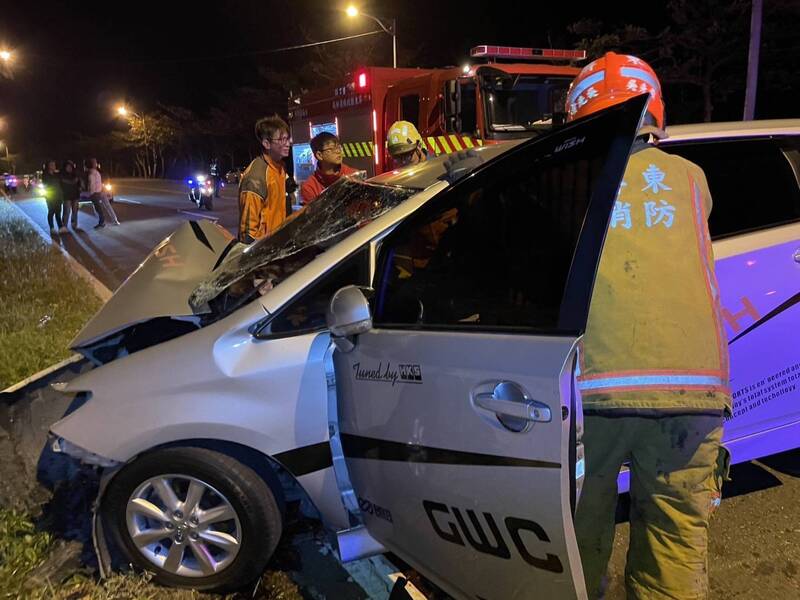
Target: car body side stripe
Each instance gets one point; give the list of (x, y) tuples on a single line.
[(356, 446), (306, 459), (770, 315)]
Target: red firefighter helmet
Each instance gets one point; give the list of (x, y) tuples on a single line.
[(610, 80)]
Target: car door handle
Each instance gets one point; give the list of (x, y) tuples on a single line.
[(509, 400)]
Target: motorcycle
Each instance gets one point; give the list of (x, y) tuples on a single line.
[(10, 184), (201, 191)]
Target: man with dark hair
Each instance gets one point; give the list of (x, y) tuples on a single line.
[(328, 151), (262, 189)]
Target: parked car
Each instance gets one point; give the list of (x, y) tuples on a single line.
[(404, 350)]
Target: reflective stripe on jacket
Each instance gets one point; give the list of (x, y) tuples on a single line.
[(654, 339), (262, 199)]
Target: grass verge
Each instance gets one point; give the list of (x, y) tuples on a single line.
[(44, 303), (23, 549)]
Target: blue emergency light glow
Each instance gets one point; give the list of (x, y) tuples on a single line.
[(190, 182)]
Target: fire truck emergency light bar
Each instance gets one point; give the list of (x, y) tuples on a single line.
[(523, 53)]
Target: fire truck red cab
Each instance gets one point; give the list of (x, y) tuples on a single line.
[(505, 93)]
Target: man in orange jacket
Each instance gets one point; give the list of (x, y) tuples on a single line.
[(328, 151), (653, 373), (262, 189)]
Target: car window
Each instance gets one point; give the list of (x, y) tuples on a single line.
[(495, 255), (752, 183), (409, 108), (306, 312)]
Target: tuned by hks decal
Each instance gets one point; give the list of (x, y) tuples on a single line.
[(370, 508), (441, 518), (402, 373)]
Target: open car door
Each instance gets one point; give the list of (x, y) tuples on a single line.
[(458, 419)]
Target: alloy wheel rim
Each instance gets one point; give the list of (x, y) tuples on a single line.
[(183, 525)]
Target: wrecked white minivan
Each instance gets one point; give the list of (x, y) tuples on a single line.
[(403, 349)]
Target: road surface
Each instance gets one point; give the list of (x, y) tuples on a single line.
[(149, 210)]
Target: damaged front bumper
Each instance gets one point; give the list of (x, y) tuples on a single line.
[(109, 466), (61, 446)]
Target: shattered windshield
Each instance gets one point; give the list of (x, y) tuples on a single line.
[(344, 207), (523, 103)]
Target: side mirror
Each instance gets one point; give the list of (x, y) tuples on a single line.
[(348, 315)]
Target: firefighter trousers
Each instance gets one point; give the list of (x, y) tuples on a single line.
[(677, 467)]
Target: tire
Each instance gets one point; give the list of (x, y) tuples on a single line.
[(256, 525)]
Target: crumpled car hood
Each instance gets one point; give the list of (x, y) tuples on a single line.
[(161, 285)]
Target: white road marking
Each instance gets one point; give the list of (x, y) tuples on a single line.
[(126, 200), (200, 215)]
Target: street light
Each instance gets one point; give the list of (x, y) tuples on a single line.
[(6, 56), (353, 12)]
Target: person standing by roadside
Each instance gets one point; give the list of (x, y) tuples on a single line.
[(214, 171), (52, 195), (70, 193), (94, 189), (262, 190), (328, 151), (94, 185)]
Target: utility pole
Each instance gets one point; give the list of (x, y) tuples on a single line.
[(752, 61)]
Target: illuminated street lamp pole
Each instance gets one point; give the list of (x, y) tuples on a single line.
[(353, 12), (6, 60), (3, 143)]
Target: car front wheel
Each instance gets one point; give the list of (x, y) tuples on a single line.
[(196, 518)]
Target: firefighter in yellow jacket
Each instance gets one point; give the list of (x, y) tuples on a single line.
[(262, 190), (653, 369)]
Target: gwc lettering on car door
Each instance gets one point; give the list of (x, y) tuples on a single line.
[(492, 541), (465, 462)]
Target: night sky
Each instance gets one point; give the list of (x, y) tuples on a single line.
[(76, 61)]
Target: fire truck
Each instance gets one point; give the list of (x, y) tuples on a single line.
[(506, 92)]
